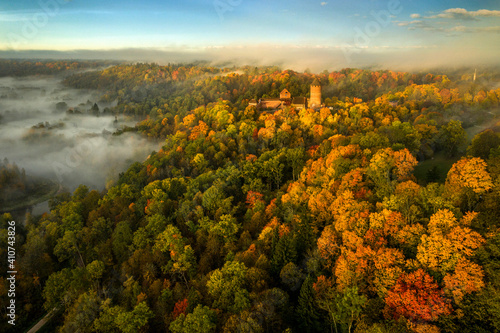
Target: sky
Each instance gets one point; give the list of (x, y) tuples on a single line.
[(296, 33)]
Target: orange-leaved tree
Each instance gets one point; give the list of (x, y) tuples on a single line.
[(416, 297), (467, 278)]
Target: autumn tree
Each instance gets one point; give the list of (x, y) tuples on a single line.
[(343, 308), (226, 286), (328, 245), (482, 144), (416, 297), (133, 321), (387, 167), (182, 257), (201, 320), (350, 214), (448, 240), (469, 179), (388, 267), (466, 278), (452, 137), (226, 228)]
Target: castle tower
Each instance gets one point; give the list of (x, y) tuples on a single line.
[(315, 98)]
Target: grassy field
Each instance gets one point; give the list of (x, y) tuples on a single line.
[(441, 165)]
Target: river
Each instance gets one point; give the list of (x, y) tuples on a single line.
[(19, 215)]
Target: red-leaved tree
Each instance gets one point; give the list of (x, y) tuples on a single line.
[(417, 297)]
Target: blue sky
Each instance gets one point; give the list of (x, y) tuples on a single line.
[(347, 31)]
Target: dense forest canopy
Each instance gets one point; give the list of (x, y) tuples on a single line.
[(286, 220), (48, 67)]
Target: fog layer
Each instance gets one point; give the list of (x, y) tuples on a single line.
[(38, 134), (315, 57)]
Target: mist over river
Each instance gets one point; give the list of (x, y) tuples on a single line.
[(71, 148)]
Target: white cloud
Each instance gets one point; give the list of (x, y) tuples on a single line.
[(419, 24), (458, 28), (324, 3), (448, 22), (464, 14), (450, 31), (407, 23)]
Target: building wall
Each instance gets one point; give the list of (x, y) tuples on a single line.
[(315, 99), (271, 103), (285, 94)]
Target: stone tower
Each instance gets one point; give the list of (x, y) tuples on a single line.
[(315, 99)]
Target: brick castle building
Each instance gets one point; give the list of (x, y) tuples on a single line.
[(286, 99)]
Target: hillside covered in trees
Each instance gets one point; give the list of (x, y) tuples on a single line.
[(285, 220), (20, 68)]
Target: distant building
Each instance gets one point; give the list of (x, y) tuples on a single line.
[(315, 98), (253, 102), (285, 94), (299, 102), (270, 103), (286, 99)]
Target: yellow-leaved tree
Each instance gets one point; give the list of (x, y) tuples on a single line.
[(448, 242), (467, 180), (388, 167)]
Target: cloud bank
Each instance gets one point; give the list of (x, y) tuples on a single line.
[(297, 57), (464, 14), (454, 20)]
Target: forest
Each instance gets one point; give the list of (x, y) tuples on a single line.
[(379, 212), (24, 68)]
